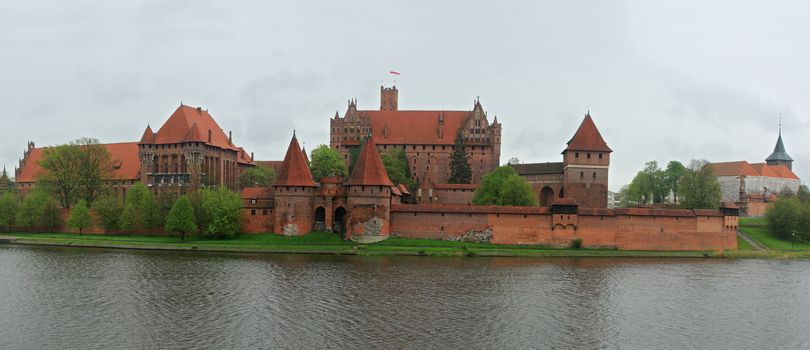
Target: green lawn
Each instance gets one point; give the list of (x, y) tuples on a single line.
[(761, 235), (744, 245)]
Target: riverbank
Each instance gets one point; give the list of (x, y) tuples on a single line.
[(326, 243)]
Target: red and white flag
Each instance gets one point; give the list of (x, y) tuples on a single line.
[(393, 72)]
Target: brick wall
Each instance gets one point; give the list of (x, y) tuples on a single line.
[(640, 230)]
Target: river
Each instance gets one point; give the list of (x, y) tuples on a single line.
[(75, 298)]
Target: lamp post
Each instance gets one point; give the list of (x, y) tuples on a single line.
[(792, 240)]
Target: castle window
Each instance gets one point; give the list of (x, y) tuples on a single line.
[(264, 211), (423, 147), (581, 174), (600, 155), (252, 201), (594, 176), (576, 155), (253, 212), (589, 156)]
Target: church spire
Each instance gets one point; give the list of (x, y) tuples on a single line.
[(779, 155)]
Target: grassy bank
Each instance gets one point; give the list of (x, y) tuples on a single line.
[(757, 229), (328, 243)]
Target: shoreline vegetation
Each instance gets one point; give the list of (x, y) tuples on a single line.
[(328, 243)]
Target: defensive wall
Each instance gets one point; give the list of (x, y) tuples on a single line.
[(627, 229)]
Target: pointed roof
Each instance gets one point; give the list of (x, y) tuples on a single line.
[(148, 135), (294, 170), (369, 169), (304, 150), (180, 123), (779, 152), (588, 138), (194, 134)]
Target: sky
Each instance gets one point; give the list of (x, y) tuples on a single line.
[(663, 80)]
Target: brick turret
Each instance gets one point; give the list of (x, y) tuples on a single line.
[(294, 191), (389, 98), (368, 197), (586, 161)]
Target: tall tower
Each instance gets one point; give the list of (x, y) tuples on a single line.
[(586, 161), (294, 191), (368, 196), (779, 155), (389, 98)]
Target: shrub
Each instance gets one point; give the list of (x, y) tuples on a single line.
[(8, 210), (38, 210), (181, 218), (576, 243), (80, 218)]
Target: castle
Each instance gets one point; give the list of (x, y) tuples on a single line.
[(191, 151)]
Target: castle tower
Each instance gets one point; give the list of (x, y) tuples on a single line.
[(389, 98), (294, 192), (368, 197), (586, 161), (779, 155)]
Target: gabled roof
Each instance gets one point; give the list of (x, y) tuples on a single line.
[(294, 171), (415, 127), (743, 168), (538, 168), (124, 155), (733, 169), (179, 126), (783, 172), (779, 152), (369, 169), (588, 138), (764, 170)]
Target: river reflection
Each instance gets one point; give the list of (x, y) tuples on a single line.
[(95, 298)]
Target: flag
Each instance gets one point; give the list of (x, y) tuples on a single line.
[(393, 72)]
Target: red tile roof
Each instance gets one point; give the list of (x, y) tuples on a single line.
[(255, 193), (414, 127), (404, 190), (588, 138), (741, 168), (179, 128), (124, 155), (783, 172), (294, 171), (733, 169), (369, 169)]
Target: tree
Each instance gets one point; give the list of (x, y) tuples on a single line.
[(513, 160), (181, 218), (672, 175), (77, 170), (698, 187), (326, 162), (223, 211), (141, 212), (515, 191), (460, 172), (8, 210), (109, 208), (38, 210), (489, 193), (80, 218), (783, 218), (258, 176), (395, 162), (803, 194)]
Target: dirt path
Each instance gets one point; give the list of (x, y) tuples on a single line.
[(751, 241)]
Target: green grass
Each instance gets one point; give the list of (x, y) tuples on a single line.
[(329, 243), (753, 221), (743, 245), (761, 235)]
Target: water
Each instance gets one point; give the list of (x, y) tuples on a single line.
[(63, 298)]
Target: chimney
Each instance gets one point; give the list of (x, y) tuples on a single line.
[(230, 138), (199, 110), (251, 156), (209, 135)]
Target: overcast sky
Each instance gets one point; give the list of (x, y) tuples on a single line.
[(663, 80)]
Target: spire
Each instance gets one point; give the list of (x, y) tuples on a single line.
[(148, 135), (294, 171), (588, 138), (779, 152), (369, 169), (304, 151)]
